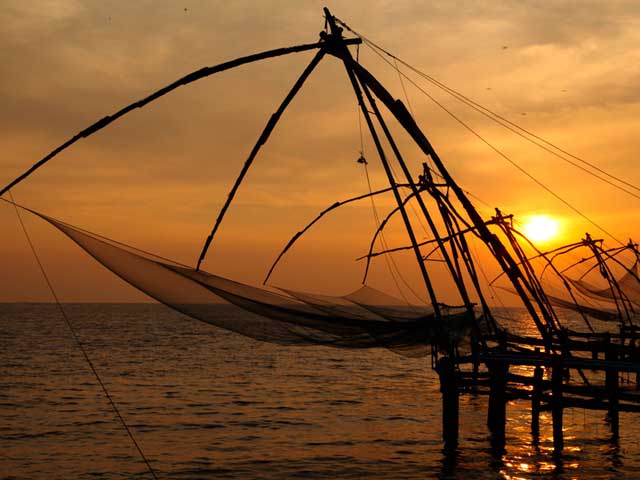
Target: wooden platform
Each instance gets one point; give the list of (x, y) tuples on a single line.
[(593, 372)]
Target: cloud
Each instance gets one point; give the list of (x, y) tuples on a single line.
[(573, 71)]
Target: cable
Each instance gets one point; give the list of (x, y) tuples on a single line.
[(508, 159), (411, 206), (77, 340), (391, 264), (389, 260), (504, 122)]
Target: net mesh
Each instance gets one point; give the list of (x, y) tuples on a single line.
[(628, 283), (367, 318)]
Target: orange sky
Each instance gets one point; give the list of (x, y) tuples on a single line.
[(158, 177)]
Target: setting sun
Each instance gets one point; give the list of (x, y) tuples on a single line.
[(540, 228)]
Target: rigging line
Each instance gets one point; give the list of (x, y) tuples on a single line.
[(406, 97), (418, 218), (77, 340), (495, 295), (499, 118), (376, 218), (513, 162), (514, 130), (556, 251), (317, 219), (96, 235), (347, 60), (506, 123), (360, 120), (405, 170), (380, 227), (428, 159), (389, 260), (471, 229), (497, 248), (557, 272), (404, 90), (411, 206)]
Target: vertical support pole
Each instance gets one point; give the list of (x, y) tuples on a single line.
[(392, 182), (504, 258), (556, 404), (497, 411), (636, 359), (450, 402), (536, 398), (475, 364), (611, 383), (264, 136)]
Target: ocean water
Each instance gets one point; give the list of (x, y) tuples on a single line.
[(204, 403)]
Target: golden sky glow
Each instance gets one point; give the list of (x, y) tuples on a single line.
[(157, 178)]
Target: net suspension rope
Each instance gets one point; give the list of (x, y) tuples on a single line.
[(504, 122), (568, 204), (392, 266), (515, 164)]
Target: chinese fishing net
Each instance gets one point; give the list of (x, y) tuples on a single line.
[(366, 318)]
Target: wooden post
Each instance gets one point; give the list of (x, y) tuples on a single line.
[(556, 404), (611, 383), (450, 402), (476, 363), (635, 357), (536, 397), (497, 411)]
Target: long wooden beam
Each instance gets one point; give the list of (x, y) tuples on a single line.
[(187, 79), (264, 136)]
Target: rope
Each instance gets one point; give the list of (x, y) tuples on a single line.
[(391, 263), (406, 96), (428, 159), (389, 260), (508, 159), (504, 122), (77, 339)]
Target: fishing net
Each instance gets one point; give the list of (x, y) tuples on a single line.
[(366, 318), (628, 283)]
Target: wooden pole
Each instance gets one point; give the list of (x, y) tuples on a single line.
[(346, 57), (497, 408), (536, 397), (556, 404), (264, 136), (476, 363), (611, 383), (450, 402), (507, 263), (191, 77)]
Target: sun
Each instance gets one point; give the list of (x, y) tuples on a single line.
[(541, 228)]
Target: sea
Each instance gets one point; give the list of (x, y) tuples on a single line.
[(204, 403)]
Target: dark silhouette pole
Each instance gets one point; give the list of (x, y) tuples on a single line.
[(264, 136)]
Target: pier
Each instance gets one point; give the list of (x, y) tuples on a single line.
[(581, 371)]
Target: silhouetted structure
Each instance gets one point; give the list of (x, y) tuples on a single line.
[(470, 350)]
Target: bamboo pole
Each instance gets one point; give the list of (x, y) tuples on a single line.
[(264, 136), (338, 44), (189, 78)]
